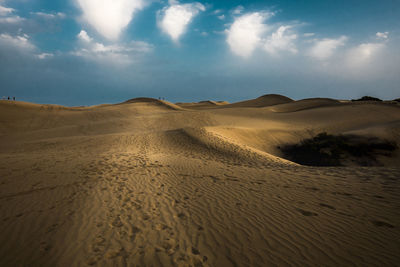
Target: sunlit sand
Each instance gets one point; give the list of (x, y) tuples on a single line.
[(151, 183)]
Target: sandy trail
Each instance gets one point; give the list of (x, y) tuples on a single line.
[(142, 185)]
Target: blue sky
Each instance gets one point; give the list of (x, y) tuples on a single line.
[(83, 52)]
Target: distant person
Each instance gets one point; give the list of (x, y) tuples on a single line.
[(14, 98), (8, 98)]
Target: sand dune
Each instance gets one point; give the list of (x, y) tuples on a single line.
[(305, 104), (154, 102), (203, 104), (263, 101), (151, 183)]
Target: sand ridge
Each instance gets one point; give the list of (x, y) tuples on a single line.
[(147, 184), (263, 101)]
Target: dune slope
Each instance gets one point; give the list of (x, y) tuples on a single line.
[(147, 184), (263, 101)]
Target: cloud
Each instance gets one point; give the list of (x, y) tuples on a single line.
[(308, 34), (280, 41), (363, 53), (325, 48), (174, 19), (11, 20), (222, 17), (118, 54), (4, 11), (238, 10), (44, 55), (109, 17), (382, 35), (364, 61), (21, 42), (7, 17), (58, 15), (245, 34), (84, 36)]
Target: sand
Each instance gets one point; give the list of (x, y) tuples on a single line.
[(151, 183)]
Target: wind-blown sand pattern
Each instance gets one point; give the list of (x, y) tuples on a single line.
[(151, 183)]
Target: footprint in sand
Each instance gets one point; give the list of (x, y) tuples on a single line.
[(181, 215), (117, 222), (133, 232), (327, 206), (44, 246), (306, 213), (312, 188), (195, 251), (382, 224)]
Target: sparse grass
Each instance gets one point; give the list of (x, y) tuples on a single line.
[(336, 150)]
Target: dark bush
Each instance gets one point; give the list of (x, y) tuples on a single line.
[(367, 98), (335, 150)]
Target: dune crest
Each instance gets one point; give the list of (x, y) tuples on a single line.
[(203, 104), (304, 104), (153, 101), (263, 101)]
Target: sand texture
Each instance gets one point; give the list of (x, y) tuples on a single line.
[(151, 183)]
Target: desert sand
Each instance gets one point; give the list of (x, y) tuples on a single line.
[(151, 183)]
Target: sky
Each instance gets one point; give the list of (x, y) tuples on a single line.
[(86, 52)]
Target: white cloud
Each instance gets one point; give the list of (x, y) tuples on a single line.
[(365, 61), (84, 36), (325, 48), (20, 42), (44, 55), (222, 17), (217, 11), (280, 41), (362, 54), (119, 54), (308, 34), (249, 32), (238, 10), (4, 11), (245, 34), (382, 35), (7, 17), (174, 19), (59, 15), (369, 49), (109, 17), (11, 20)]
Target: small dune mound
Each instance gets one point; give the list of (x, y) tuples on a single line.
[(262, 101), (206, 104), (154, 101), (209, 102), (213, 142), (304, 104), (33, 106), (339, 150)]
